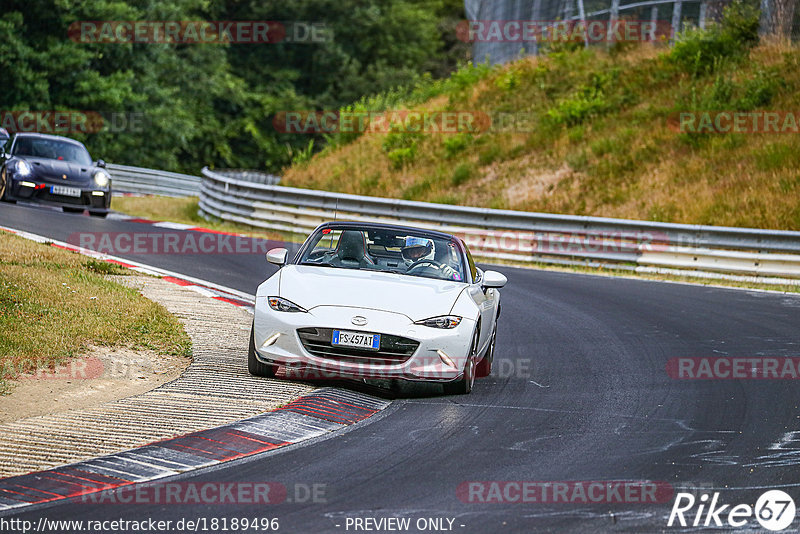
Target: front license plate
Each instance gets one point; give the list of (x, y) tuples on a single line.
[(65, 191), (356, 339)]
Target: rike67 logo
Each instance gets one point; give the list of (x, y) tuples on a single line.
[(774, 510)]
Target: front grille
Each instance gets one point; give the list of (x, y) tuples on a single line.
[(393, 349), (78, 201)]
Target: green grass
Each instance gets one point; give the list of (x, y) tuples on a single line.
[(55, 303)]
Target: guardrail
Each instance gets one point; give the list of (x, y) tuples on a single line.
[(152, 182), (519, 236)]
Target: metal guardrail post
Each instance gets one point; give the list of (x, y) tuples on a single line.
[(676, 20)]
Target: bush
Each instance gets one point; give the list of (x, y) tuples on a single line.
[(401, 157), (461, 174), (455, 144), (490, 154), (400, 148), (700, 52)]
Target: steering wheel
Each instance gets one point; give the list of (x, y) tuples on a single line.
[(423, 261)]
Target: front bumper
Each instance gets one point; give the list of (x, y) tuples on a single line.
[(285, 347), (36, 190)]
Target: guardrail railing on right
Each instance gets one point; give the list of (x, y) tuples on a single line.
[(520, 236)]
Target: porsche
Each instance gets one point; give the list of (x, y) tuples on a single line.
[(369, 300), (54, 170)]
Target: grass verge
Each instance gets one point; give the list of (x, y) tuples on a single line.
[(54, 303)]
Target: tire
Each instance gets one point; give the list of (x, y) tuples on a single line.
[(72, 210), (256, 367), (463, 386), (484, 368), (101, 214), (4, 188)]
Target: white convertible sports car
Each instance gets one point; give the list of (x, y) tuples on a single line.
[(364, 300)]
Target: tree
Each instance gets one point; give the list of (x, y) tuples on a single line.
[(777, 17)]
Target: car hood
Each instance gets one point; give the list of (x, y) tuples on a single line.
[(415, 297), (55, 170)]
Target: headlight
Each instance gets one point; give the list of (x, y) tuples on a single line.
[(23, 168), (101, 178), (283, 305), (445, 321)]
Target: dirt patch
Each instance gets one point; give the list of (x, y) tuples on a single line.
[(101, 375), (533, 185)]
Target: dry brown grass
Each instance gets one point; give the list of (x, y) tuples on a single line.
[(626, 163)]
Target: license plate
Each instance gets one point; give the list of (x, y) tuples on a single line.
[(356, 339), (65, 191)]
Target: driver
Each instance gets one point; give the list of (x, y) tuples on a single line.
[(417, 249)]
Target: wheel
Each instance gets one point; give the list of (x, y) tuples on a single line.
[(72, 210), (4, 188), (484, 368), (463, 386), (256, 367), (101, 214)]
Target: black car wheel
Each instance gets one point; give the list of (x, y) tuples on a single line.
[(4, 187), (256, 367)]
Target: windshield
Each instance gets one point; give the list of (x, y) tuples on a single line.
[(385, 249), (51, 149)]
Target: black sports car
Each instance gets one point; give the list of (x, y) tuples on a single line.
[(54, 170)]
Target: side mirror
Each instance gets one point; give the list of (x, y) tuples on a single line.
[(277, 256), (493, 279), (100, 163)]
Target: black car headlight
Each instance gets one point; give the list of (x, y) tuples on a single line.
[(283, 305), (443, 321), (101, 178)]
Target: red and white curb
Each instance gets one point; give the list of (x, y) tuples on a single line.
[(320, 412), (204, 287)]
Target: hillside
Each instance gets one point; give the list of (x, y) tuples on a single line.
[(598, 134)]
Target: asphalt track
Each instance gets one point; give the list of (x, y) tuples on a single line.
[(581, 394)]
